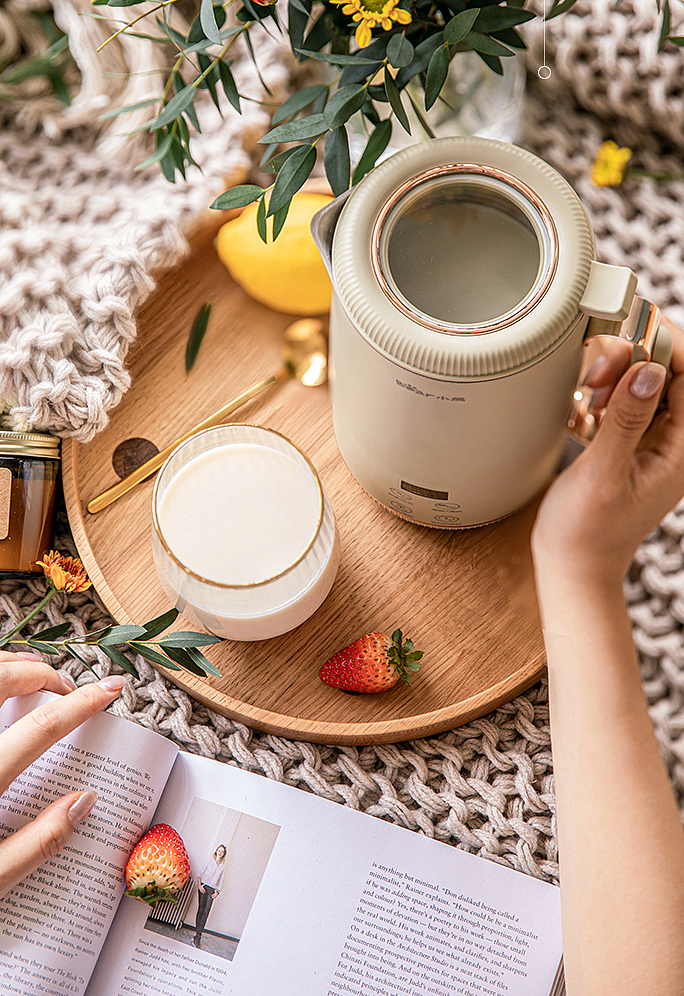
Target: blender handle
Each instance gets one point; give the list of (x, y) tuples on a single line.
[(651, 341)]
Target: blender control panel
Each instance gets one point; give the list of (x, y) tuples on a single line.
[(441, 511)]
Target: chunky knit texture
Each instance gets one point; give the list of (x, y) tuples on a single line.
[(82, 236)]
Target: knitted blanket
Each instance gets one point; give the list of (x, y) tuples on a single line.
[(81, 237)]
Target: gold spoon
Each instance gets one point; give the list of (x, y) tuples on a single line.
[(305, 357)]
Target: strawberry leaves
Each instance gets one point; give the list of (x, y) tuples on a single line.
[(403, 656)]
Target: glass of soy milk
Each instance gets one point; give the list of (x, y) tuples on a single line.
[(244, 536)]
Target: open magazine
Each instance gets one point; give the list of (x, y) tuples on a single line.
[(316, 899)]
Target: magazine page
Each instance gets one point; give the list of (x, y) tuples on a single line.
[(316, 899), (53, 924)]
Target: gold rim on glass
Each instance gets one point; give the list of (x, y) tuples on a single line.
[(449, 328), (251, 584)]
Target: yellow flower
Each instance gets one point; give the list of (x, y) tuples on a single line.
[(610, 165), (64, 573), (368, 13)]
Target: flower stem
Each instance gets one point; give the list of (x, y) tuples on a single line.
[(34, 612), (423, 123)]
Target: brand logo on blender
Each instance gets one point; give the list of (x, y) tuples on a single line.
[(427, 394)]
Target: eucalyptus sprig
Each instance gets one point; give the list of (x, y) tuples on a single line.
[(368, 78), (175, 651)]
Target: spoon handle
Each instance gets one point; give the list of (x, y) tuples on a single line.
[(152, 465)]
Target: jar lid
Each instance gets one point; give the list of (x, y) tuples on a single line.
[(462, 257), (30, 444)]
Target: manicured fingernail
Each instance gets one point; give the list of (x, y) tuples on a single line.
[(647, 381), (113, 683), (596, 367), (68, 681), (79, 810), (28, 656)]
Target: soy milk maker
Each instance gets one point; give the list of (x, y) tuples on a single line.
[(465, 283)]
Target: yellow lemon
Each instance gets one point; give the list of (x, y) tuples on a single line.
[(288, 274)]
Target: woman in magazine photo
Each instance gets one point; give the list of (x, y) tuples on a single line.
[(209, 883), (621, 840)]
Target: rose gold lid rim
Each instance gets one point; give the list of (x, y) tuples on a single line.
[(476, 169)]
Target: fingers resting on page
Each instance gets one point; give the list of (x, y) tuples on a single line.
[(616, 492), (29, 737)]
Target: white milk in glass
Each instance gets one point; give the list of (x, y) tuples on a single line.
[(245, 534)]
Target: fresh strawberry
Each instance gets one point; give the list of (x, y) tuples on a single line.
[(373, 663), (158, 867)]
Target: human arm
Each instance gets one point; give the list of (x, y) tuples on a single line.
[(621, 842), (23, 742)]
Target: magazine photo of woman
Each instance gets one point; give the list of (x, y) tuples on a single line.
[(209, 883)]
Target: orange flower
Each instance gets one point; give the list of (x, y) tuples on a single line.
[(64, 573)]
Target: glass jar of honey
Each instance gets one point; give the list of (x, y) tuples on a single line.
[(29, 467)]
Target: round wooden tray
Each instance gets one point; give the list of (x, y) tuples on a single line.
[(466, 598)]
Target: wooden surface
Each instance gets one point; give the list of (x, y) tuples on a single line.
[(465, 597)]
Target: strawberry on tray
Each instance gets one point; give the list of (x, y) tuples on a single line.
[(373, 663)]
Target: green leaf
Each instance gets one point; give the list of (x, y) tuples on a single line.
[(293, 173), (117, 657), (182, 656), (295, 131), (493, 61), (164, 146), (157, 625), (458, 27), (665, 25), (203, 662), (153, 656), (174, 107), (44, 648), (339, 60), (127, 108), (208, 21), (297, 18), (492, 19), (436, 75), (74, 653), (510, 37), (399, 51), (121, 634), (483, 43), (375, 147), (422, 56), (298, 101), (188, 638), (279, 219), (199, 327), (560, 8), (677, 40), (116, 3), (342, 104), (238, 197), (210, 80), (336, 159), (229, 87), (277, 161), (53, 633), (261, 220), (394, 98)]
